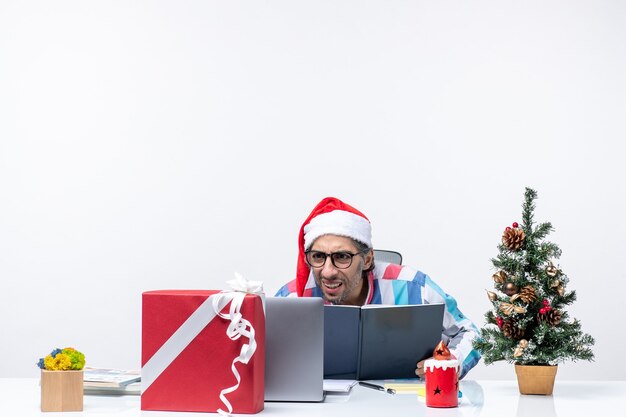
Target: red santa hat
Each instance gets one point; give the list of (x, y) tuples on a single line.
[(331, 216)]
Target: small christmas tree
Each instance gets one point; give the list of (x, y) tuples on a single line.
[(530, 324)]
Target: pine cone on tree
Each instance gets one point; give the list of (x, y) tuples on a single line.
[(511, 330), (513, 238), (528, 294), (551, 316)]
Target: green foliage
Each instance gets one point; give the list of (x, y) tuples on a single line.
[(551, 336)]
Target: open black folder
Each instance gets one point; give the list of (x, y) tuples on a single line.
[(379, 341)]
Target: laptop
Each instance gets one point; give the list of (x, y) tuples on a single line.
[(294, 349), (379, 341)]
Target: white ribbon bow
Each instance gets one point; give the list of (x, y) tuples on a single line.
[(243, 285), (238, 327)]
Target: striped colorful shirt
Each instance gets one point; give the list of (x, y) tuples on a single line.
[(401, 285)]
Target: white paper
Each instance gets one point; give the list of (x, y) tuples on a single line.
[(338, 385)]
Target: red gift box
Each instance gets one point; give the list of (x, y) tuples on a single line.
[(187, 356)]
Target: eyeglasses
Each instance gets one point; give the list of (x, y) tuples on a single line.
[(340, 260)]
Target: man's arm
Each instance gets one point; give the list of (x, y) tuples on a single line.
[(458, 332)]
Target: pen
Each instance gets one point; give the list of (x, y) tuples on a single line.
[(377, 387)]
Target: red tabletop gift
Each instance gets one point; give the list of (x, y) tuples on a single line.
[(190, 363)]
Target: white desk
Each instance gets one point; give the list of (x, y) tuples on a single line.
[(19, 397)]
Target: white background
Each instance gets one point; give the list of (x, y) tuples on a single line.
[(166, 144)]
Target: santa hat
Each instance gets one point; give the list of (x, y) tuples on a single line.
[(331, 216)]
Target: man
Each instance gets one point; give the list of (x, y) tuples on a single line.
[(336, 262)]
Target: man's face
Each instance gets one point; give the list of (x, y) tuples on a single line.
[(341, 286)]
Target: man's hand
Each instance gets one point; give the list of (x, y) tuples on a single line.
[(419, 371)]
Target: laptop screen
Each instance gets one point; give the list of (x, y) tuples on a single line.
[(294, 349)]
